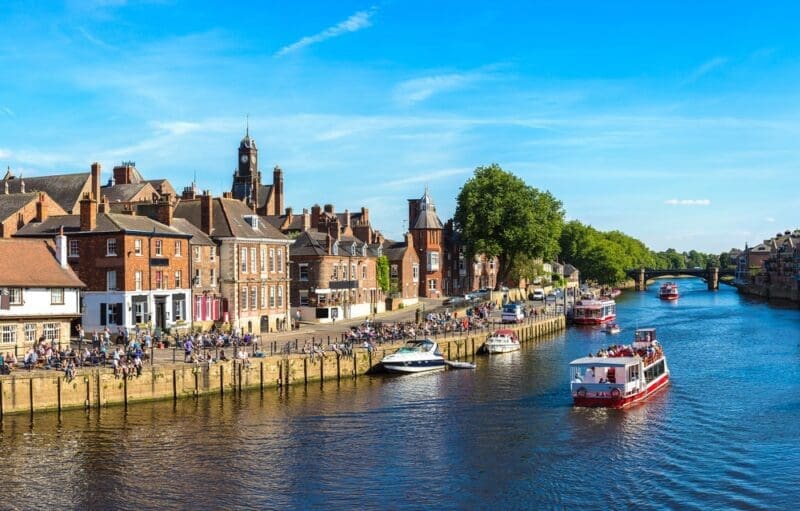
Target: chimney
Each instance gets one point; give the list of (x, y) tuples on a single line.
[(365, 215), (413, 210), (165, 209), (227, 195), (6, 187), (329, 209), (61, 248), (95, 182), (206, 213), (103, 206), (189, 193), (277, 186), (21, 185), (329, 241), (88, 213), (41, 209), (129, 210), (409, 240), (347, 218), (315, 215), (306, 220)]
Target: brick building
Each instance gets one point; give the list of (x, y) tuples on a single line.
[(253, 266), (204, 271), (18, 209), (427, 231), (403, 269), (65, 189), (247, 187), (128, 187), (136, 269), (462, 273), (39, 293)]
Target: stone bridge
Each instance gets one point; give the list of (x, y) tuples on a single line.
[(710, 274)]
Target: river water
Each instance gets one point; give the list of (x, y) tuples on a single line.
[(724, 435)]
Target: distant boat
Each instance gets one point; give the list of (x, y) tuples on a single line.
[(594, 312), (415, 357), (612, 328), (502, 341), (452, 364), (622, 375), (668, 291)]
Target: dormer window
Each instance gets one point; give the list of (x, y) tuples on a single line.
[(252, 221), (335, 249), (363, 250), (353, 249)]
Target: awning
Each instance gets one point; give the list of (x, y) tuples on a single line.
[(324, 291)]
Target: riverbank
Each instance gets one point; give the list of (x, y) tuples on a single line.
[(94, 388)]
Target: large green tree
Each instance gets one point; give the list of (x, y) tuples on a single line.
[(498, 214)]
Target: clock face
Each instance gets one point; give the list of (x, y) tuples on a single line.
[(244, 158)]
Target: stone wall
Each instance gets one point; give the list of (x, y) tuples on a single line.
[(25, 392)]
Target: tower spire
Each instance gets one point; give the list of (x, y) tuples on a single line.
[(247, 125)]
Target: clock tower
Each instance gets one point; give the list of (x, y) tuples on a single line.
[(247, 178)]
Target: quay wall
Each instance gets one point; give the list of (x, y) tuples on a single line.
[(38, 391)]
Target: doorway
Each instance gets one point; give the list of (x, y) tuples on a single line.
[(161, 312)]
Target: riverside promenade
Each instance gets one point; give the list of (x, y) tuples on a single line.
[(37, 391)]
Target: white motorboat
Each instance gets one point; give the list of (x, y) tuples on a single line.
[(612, 328), (415, 357), (502, 341)]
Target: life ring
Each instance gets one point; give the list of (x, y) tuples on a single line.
[(615, 393), (581, 392)]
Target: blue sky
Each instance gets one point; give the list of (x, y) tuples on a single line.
[(675, 123)]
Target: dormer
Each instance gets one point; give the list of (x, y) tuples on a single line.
[(353, 248), (252, 221), (364, 250)]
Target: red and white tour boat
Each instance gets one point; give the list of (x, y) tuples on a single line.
[(620, 376), (668, 291), (595, 312)]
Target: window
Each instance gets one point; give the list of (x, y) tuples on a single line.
[(272, 259), (263, 297), (393, 271), (263, 260), (353, 274), (213, 253), (159, 279), (111, 280), (178, 279), (74, 251), (197, 278), (253, 259), (304, 297), (433, 261), (178, 248), (139, 312), (364, 272), (213, 277), (111, 247), (196, 254), (8, 334), (280, 296), (179, 309), (52, 331), (159, 247), (57, 296), (432, 284), (335, 275), (491, 265), (30, 332), (415, 272), (303, 267), (280, 260), (244, 299), (110, 314), (137, 281), (243, 260), (271, 297), (15, 296), (253, 297), (137, 247)]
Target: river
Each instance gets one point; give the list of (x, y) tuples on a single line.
[(725, 434)]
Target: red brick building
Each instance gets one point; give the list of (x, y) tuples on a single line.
[(403, 269), (427, 231), (18, 209)]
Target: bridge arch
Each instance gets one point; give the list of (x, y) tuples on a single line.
[(710, 274)]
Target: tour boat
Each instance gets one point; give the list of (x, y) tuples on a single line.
[(612, 328), (594, 312), (415, 357), (621, 375), (502, 341), (668, 291)]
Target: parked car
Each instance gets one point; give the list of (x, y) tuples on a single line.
[(538, 294), (512, 313)]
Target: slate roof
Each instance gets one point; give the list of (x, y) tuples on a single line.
[(394, 250), (64, 189), (277, 221), (33, 263), (106, 222), (10, 204), (198, 236), (428, 219), (314, 242), (122, 193), (228, 217)]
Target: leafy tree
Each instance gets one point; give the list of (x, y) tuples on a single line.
[(383, 273), (499, 215)]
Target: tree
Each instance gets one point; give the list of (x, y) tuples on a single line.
[(500, 216), (382, 267)]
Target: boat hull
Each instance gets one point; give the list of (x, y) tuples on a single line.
[(594, 321), (414, 366), (668, 297), (501, 348), (655, 386)]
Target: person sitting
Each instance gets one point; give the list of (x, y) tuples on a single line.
[(69, 371)]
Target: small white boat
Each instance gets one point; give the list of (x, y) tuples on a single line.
[(502, 341), (415, 357), (452, 364), (612, 328)]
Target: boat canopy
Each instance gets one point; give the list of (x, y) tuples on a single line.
[(605, 361), (417, 346)]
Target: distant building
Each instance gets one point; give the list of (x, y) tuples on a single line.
[(403, 270), (262, 199), (65, 189), (427, 230), (18, 209), (39, 293)]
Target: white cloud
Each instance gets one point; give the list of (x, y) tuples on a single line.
[(770, 219), (705, 68), (419, 89), (5, 153), (428, 176), (94, 40), (688, 202), (354, 23)]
